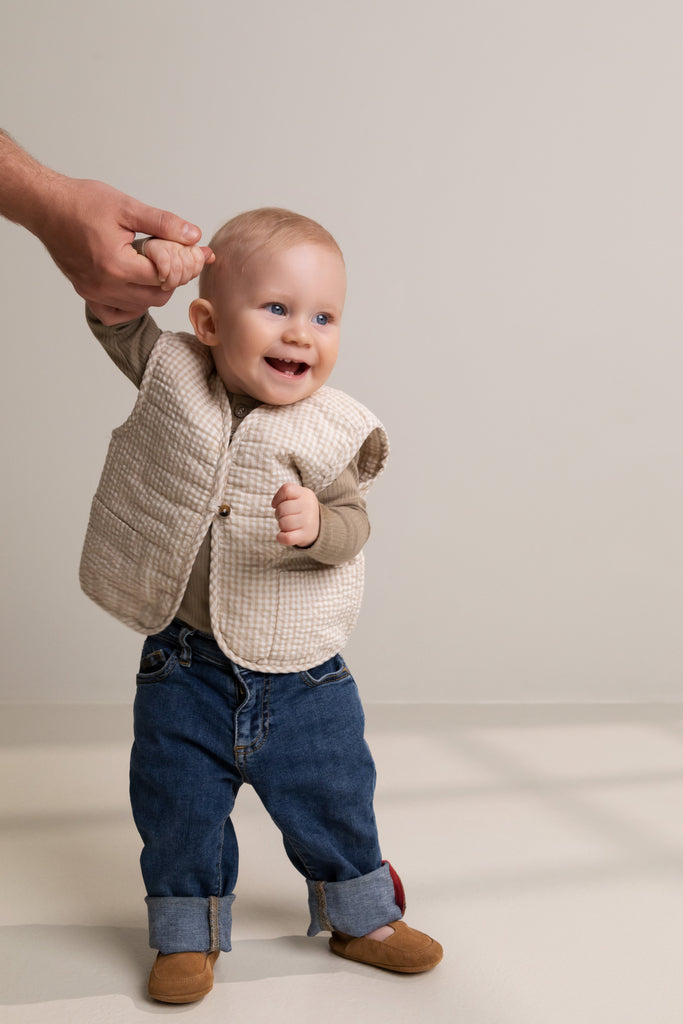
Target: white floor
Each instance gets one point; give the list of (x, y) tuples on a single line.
[(543, 845)]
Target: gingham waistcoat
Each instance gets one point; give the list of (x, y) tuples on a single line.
[(172, 473)]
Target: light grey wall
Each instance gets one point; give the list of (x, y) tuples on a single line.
[(505, 180)]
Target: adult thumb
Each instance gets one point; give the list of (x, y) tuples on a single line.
[(148, 220)]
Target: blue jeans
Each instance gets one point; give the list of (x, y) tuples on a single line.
[(203, 726)]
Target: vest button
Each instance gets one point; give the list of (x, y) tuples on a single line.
[(241, 411), (224, 511)]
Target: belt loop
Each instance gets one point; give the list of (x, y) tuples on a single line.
[(185, 649)]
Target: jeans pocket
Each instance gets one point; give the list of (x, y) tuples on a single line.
[(329, 672), (157, 661)]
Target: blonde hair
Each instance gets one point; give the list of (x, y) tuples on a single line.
[(269, 227)]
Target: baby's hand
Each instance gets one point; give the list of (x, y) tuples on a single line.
[(298, 514), (176, 264)]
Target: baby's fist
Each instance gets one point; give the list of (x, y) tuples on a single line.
[(298, 515), (176, 264)]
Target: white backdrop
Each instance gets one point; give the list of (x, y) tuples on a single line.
[(505, 181)]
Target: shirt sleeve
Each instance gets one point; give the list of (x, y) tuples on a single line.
[(128, 345), (344, 523)]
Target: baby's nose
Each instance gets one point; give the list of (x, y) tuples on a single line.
[(297, 333)]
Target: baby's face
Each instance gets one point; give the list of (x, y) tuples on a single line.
[(276, 326)]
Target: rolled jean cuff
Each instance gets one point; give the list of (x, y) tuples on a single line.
[(356, 906), (180, 924)]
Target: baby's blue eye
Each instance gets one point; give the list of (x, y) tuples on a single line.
[(322, 319), (276, 307)]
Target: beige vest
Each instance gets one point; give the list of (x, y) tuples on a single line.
[(172, 473)]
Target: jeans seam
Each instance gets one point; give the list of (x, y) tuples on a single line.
[(322, 907), (214, 929), (265, 714), (240, 750), (219, 887)]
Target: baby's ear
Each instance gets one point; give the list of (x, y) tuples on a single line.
[(204, 321)]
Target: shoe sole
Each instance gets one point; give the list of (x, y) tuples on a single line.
[(387, 967), (189, 998)]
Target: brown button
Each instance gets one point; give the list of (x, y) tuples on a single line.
[(224, 511)]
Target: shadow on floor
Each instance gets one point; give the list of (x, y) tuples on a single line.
[(45, 963)]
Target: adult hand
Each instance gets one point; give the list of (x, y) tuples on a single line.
[(89, 233), (88, 227), (175, 264)]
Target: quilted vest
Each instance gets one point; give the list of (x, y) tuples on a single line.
[(172, 473)]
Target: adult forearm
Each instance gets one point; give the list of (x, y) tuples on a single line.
[(27, 188)]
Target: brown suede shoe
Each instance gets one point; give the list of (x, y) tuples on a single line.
[(406, 951), (181, 977)]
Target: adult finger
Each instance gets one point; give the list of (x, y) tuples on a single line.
[(160, 223), (130, 298)]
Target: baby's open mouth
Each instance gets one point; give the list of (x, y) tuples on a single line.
[(290, 367)]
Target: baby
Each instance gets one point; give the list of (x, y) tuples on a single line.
[(228, 525)]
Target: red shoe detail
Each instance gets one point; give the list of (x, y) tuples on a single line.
[(399, 891)]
